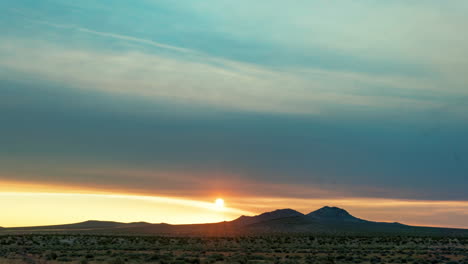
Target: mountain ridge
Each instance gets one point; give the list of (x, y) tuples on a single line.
[(276, 214), (324, 221)]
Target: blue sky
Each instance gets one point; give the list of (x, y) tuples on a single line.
[(356, 99)]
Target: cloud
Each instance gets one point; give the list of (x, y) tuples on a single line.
[(175, 183), (116, 36), (202, 56), (231, 85), (406, 38), (54, 131)]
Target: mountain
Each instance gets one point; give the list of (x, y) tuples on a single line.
[(91, 225), (336, 221), (324, 221), (332, 214), (277, 214)]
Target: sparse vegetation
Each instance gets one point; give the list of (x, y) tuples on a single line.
[(91, 249)]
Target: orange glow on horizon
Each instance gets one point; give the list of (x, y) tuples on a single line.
[(60, 208), (60, 204)]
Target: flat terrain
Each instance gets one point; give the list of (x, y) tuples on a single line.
[(74, 248)]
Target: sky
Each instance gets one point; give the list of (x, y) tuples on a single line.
[(149, 110)]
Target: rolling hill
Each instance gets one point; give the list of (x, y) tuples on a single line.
[(324, 221)]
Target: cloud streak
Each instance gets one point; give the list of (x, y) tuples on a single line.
[(234, 85), (116, 36)]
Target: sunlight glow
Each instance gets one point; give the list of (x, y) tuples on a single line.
[(78, 207), (219, 203)]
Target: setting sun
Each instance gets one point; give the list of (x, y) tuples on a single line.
[(219, 203)]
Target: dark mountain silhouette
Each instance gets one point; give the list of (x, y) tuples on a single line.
[(332, 214), (91, 224), (324, 221), (277, 214)]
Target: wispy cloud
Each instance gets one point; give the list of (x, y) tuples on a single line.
[(116, 36), (229, 84)]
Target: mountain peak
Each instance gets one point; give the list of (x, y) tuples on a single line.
[(332, 209), (331, 213), (286, 211), (279, 213)]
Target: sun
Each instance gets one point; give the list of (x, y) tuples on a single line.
[(219, 203)]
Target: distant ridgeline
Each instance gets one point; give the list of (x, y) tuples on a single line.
[(324, 221)]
